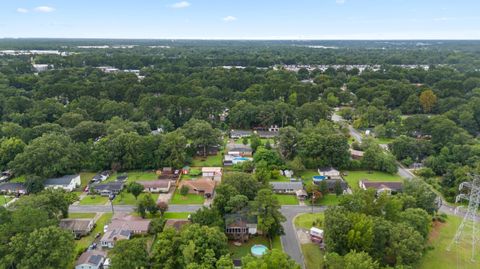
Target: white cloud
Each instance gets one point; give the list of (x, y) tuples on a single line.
[(340, 2), (22, 10), (44, 9), (229, 18), (183, 4)]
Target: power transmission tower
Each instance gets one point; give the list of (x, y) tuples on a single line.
[(468, 231)]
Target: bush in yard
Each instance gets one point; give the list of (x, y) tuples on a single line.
[(195, 172), (184, 190), (162, 207)]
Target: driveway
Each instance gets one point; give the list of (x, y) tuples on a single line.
[(290, 242)]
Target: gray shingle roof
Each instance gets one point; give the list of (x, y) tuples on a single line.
[(287, 185), (65, 180)]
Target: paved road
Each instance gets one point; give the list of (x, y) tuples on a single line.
[(126, 208), (290, 242)]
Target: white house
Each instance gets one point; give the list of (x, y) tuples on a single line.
[(156, 186), (329, 172), (68, 183), (212, 172)]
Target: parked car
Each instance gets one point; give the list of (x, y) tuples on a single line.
[(105, 228)]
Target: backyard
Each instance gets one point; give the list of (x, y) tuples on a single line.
[(353, 177), (238, 252), (327, 200), (439, 258), (287, 199), (209, 161), (135, 176), (189, 199), (176, 215)]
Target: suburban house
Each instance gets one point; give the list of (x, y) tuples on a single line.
[(13, 188), (202, 186), (332, 183), (212, 172), (301, 194), (79, 227), (167, 171), (240, 226), (235, 134), (286, 187), (68, 183), (329, 173), (382, 186), (134, 224), (270, 132), (92, 259), (100, 177), (106, 189), (356, 154), (239, 150), (111, 236), (155, 186)]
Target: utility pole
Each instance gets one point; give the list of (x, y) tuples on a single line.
[(111, 197), (468, 231)]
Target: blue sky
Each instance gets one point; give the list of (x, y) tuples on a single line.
[(242, 19)]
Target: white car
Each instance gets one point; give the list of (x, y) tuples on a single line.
[(105, 228)]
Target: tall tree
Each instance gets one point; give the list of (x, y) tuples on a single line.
[(267, 208), (428, 99)]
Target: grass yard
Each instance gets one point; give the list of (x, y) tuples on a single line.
[(384, 140), (84, 242), (125, 198), (135, 176), (307, 175), (439, 257), (354, 177), (281, 178), (238, 252), (313, 256), (20, 179), (209, 161), (305, 221), (189, 199), (5, 199), (287, 199), (176, 215), (81, 215), (94, 200), (85, 178)]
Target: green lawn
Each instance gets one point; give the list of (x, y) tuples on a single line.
[(20, 179), (135, 176), (189, 199), (313, 256), (209, 161), (384, 140), (81, 215), (307, 175), (354, 177), (125, 198), (439, 258), (281, 178), (94, 200), (5, 199), (287, 199), (238, 252), (84, 242), (85, 177), (176, 215), (306, 220)]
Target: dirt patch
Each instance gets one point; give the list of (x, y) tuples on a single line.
[(436, 227), (303, 237)]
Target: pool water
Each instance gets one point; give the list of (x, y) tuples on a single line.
[(258, 250), (241, 159), (318, 178)]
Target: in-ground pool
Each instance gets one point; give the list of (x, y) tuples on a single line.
[(318, 178), (258, 250), (241, 159)]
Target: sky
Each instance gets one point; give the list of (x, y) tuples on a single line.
[(241, 19)]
